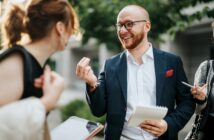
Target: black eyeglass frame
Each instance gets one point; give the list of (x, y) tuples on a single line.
[(119, 26)]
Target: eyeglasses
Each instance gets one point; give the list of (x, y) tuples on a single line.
[(128, 25)]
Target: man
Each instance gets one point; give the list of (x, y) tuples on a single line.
[(139, 76)]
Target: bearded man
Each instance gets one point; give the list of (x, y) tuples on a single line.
[(139, 76)]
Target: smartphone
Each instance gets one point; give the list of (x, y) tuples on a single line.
[(186, 84)]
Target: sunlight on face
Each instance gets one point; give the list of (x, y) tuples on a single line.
[(131, 37)]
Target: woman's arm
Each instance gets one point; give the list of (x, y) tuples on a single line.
[(11, 79), (25, 118)]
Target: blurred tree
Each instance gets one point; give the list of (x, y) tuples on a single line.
[(98, 17)]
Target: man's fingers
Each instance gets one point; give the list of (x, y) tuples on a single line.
[(83, 70), (151, 129), (87, 70), (157, 128), (83, 62), (81, 66)]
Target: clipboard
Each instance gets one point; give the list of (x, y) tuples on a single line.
[(76, 128)]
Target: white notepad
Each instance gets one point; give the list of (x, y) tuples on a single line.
[(76, 128), (147, 113)]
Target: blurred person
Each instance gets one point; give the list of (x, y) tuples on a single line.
[(49, 24), (203, 92), (140, 76), (25, 119)]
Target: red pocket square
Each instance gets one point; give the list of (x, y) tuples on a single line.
[(169, 73)]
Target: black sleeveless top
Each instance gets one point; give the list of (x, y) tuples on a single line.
[(32, 70)]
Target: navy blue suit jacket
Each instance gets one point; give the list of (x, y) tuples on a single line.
[(110, 97)]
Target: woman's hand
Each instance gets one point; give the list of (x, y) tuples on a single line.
[(199, 92), (52, 85)]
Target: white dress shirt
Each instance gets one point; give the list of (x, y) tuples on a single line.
[(141, 91)]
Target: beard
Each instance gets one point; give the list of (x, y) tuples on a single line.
[(133, 42)]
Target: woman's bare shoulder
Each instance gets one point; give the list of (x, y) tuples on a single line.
[(11, 78)]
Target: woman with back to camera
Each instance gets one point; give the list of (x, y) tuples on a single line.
[(49, 24)]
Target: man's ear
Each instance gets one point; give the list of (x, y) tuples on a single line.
[(60, 27), (147, 26)]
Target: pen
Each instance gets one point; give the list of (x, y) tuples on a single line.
[(187, 84)]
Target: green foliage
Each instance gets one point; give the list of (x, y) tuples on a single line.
[(97, 20), (98, 17), (79, 108)]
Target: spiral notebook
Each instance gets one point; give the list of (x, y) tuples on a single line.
[(76, 128), (147, 113)]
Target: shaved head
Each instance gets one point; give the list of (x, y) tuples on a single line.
[(136, 10), (134, 24)]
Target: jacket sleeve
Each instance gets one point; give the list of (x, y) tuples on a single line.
[(97, 98), (23, 119)]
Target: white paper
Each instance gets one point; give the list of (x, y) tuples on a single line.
[(73, 129), (147, 113)]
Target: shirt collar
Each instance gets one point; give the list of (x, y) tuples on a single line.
[(146, 55), (129, 56), (149, 52)]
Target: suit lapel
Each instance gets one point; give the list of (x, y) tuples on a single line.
[(160, 69), (122, 74)]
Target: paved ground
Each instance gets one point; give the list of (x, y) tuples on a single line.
[(69, 95)]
